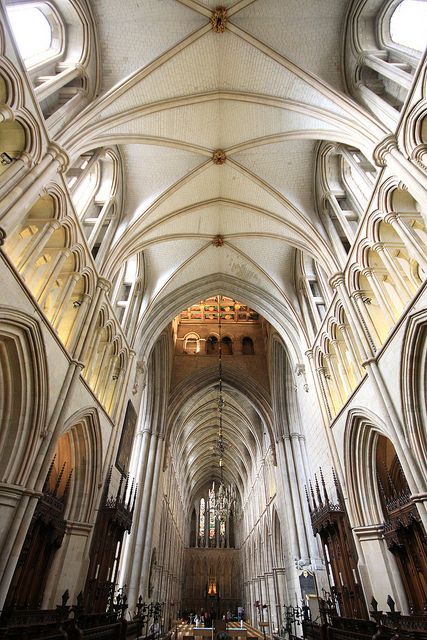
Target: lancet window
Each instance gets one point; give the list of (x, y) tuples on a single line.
[(92, 181), (345, 179), (212, 530), (37, 31), (383, 53), (58, 45), (127, 291)]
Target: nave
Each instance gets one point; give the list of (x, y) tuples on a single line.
[(213, 316)]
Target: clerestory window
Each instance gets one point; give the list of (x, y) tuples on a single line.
[(407, 24), (36, 30)]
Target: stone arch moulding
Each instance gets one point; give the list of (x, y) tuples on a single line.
[(84, 431), (248, 388), (24, 383), (280, 316), (360, 439), (413, 385)]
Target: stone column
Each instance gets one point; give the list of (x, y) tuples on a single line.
[(387, 154), (342, 368), (135, 575), (34, 248), (145, 573), (368, 326), (410, 239), (21, 198), (386, 308), (54, 83), (393, 270), (85, 341), (346, 227), (388, 114), (296, 502), (387, 69)]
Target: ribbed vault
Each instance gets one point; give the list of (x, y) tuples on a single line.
[(184, 92), (193, 430)]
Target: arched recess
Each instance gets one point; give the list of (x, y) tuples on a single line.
[(380, 502), (24, 384), (278, 558), (164, 310), (83, 433), (68, 499), (361, 437), (413, 384)]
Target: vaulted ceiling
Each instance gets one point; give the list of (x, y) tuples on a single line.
[(218, 133), (264, 92)]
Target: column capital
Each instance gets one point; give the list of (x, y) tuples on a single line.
[(383, 149), (6, 113), (378, 246), (336, 279), (26, 159), (60, 155), (309, 354), (391, 217), (368, 272), (78, 364), (103, 284)]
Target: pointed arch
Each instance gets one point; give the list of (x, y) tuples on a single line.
[(24, 383)]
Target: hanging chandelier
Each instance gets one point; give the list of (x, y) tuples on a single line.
[(224, 497)]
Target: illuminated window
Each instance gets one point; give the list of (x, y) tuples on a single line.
[(211, 514), (202, 518), (32, 30), (407, 24)]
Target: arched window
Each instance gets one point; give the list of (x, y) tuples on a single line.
[(247, 346), (315, 292), (36, 30), (202, 518), (57, 42), (382, 54), (227, 346), (212, 345), (345, 179), (192, 343), (93, 182), (408, 24), (124, 291)]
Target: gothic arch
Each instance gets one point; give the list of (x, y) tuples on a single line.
[(83, 432), (277, 313), (24, 379), (360, 440), (413, 385)]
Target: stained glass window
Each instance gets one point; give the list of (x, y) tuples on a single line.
[(212, 514), (202, 518)]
